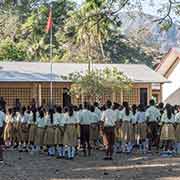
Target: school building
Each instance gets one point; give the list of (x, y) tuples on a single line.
[(27, 80)]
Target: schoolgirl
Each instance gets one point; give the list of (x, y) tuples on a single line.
[(70, 132), (59, 132), (177, 130), (168, 131)]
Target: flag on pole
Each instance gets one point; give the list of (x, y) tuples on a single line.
[(49, 22)]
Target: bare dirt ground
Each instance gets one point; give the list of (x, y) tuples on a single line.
[(23, 166)]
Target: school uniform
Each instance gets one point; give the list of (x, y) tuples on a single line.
[(109, 119), (59, 128), (168, 130), (16, 129), (39, 139), (98, 113), (153, 116), (177, 130), (94, 130), (24, 127), (141, 127), (8, 130), (32, 129), (49, 132), (127, 127), (70, 134), (85, 122)]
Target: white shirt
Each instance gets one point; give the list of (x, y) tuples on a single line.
[(117, 114), (140, 117), (177, 117), (165, 119), (94, 117), (41, 122), (153, 114), (108, 117), (9, 119), (85, 117), (2, 118), (70, 119), (125, 117), (58, 119), (98, 112)]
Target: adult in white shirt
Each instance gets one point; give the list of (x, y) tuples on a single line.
[(108, 124), (153, 117), (85, 122)]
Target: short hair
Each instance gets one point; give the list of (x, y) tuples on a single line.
[(108, 104), (152, 102)]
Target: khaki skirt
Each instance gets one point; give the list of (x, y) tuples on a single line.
[(127, 133), (118, 133), (24, 132), (94, 132), (39, 136), (8, 132), (70, 135), (32, 133), (58, 135), (177, 133), (140, 131), (49, 136), (16, 132), (167, 132)]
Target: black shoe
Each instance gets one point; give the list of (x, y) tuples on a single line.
[(106, 158)]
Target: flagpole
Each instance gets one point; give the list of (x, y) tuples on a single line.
[(51, 63)]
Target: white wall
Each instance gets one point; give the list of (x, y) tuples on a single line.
[(169, 88)]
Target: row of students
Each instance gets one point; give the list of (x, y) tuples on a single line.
[(121, 127)]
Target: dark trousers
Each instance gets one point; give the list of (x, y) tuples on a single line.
[(84, 137), (1, 143), (153, 135), (109, 137)]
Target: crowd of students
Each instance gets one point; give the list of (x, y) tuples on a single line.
[(64, 132)]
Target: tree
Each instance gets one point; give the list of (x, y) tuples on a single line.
[(95, 83)]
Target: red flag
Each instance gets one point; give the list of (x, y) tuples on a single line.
[(49, 22)]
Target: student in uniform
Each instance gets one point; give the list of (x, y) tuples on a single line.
[(70, 132), (108, 120), (32, 128), (167, 132), (127, 117), (94, 129), (49, 133), (41, 123), (141, 128), (59, 132), (97, 110), (2, 121), (84, 121), (23, 116), (8, 130), (152, 117), (134, 110)]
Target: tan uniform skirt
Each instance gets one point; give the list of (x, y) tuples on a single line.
[(49, 135), (58, 135), (140, 131), (17, 132), (70, 135), (8, 132), (94, 132), (127, 133), (177, 133), (39, 138), (118, 133), (167, 132), (24, 132), (32, 133)]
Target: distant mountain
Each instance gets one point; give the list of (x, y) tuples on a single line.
[(144, 30)]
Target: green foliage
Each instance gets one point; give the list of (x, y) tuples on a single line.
[(96, 82), (10, 51)]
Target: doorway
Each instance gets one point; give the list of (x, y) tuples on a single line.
[(66, 97), (143, 96)]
